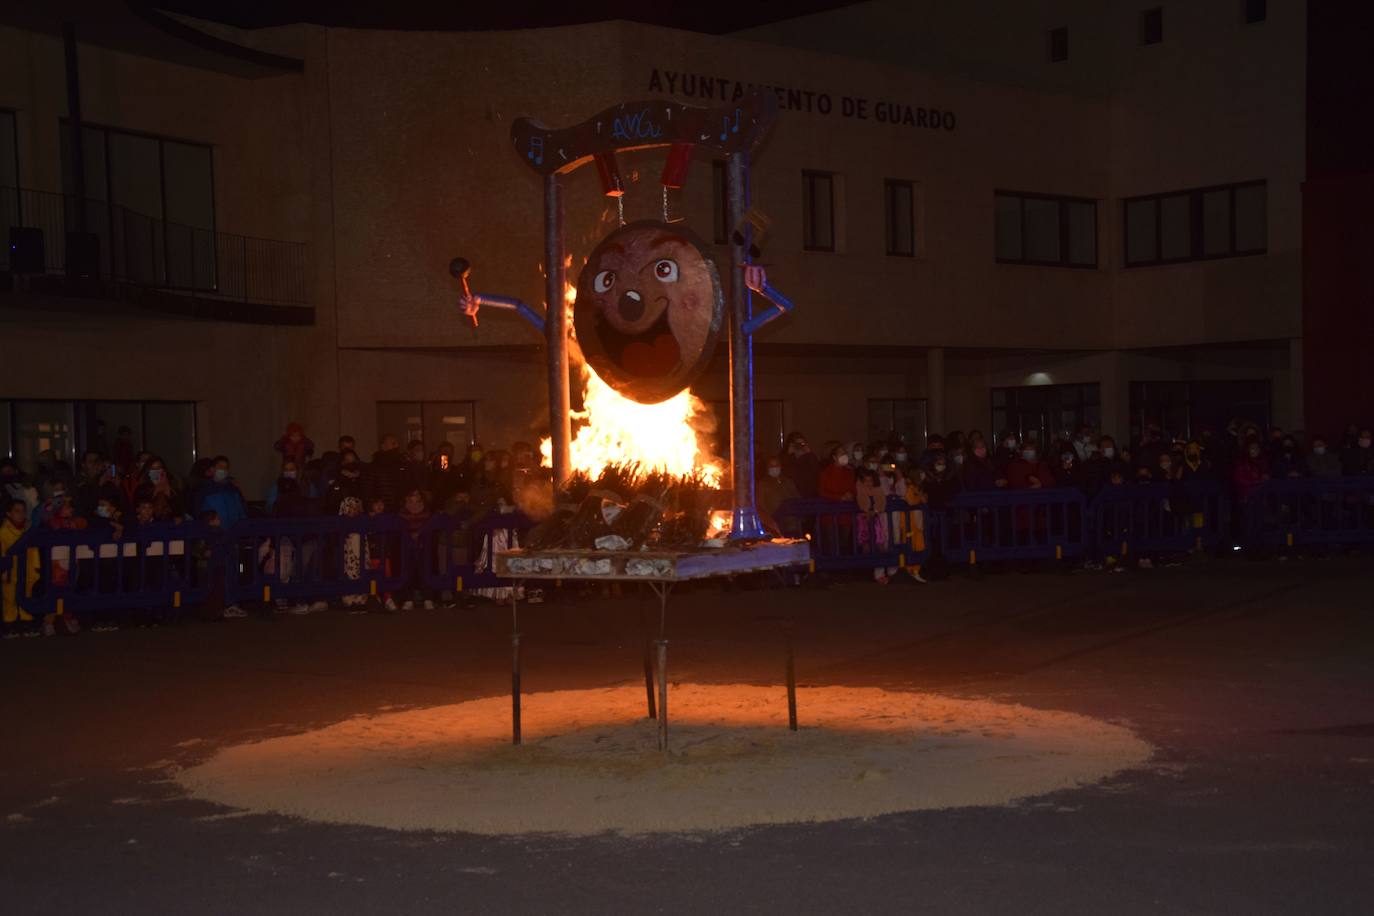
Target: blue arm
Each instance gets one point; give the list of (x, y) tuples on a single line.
[(515, 305), (781, 306)]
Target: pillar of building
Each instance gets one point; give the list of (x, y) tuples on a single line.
[(935, 390)]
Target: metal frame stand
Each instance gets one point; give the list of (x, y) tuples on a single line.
[(515, 664), (662, 590)]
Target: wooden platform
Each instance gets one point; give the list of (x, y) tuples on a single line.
[(650, 565)]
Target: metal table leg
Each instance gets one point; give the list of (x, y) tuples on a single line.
[(514, 665)]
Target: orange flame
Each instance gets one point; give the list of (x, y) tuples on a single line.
[(613, 429), (661, 437)]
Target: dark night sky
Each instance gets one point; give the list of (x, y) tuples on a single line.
[(711, 16)]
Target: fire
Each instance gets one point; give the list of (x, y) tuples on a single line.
[(615, 429)]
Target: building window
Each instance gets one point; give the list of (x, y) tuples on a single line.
[(1187, 410), (150, 201), (900, 217), (1256, 11), (1152, 26), (432, 422), (720, 204), (1217, 222), (10, 213), (69, 428), (1045, 230), (892, 420), (768, 430), (1046, 412), (818, 211), (1059, 44)]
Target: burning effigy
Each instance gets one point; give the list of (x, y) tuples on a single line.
[(634, 494)]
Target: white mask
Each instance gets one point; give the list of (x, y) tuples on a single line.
[(958, 458), (1319, 450), (775, 472), (842, 460), (1108, 451)]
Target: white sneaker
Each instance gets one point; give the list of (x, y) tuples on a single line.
[(429, 605), (234, 610), (1145, 563), (408, 606), (319, 606), (300, 609), (390, 604), (919, 578)]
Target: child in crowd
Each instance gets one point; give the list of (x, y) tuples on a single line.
[(17, 621), (352, 507), (415, 513), (374, 555), (63, 517), (871, 495)]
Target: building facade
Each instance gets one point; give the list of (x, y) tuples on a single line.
[(1068, 213)]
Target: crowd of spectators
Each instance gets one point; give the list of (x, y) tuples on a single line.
[(123, 491), (128, 489), (1241, 457)]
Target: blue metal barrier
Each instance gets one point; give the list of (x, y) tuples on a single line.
[(151, 566), (455, 550), (842, 537), (1311, 511), (1159, 517), (984, 525), (316, 557)]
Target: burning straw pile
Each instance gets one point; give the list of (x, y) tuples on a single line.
[(627, 508)]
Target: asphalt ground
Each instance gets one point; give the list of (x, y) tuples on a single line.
[(1253, 680)]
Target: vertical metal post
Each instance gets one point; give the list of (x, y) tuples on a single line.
[(745, 518), (648, 665), (556, 330), (662, 645), (791, 680), (75, 138), (514, 668)]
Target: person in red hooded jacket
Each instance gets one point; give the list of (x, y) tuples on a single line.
[(1027, 472), (1252, 469), (294, 446)]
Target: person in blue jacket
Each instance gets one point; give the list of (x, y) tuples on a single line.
[(220, 494)]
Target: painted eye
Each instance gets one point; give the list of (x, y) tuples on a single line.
[(666, 270), (603, 281)]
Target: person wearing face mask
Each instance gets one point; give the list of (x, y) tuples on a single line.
[(1252, 469), (159, 487), (15, 522), (1069, 472), (1105, 461), (349, 484), (219, 492), (1027, 472), (1008, 449), (837, 478), (773, 489), (1165, 470), (1286, 460), (1322, 462), (1084, 444), (801, 466), (941, 482), (293, 445), (1358, 458)]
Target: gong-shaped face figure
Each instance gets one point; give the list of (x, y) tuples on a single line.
[(649, 310)]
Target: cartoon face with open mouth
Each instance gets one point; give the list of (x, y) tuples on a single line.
[(649, 310)]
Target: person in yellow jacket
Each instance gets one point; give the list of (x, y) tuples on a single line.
[(15, 523), (915, 529)]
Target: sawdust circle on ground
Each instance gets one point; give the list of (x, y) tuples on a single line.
[(589, 763)]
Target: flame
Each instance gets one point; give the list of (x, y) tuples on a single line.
[(617, 430), (613, 429)]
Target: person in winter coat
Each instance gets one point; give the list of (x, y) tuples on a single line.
[(1027, 472), (1070, 472), (1323, 462), (294, 446), (13, 485), (349, 482), (871, 493), (836, 481), (16, 620), (941, 483), (1251, 470), (1286, 460), (980, 471), (158, 485), (1103, 464), (1358, 457), (387, 475), (773, 490), (219, 492)]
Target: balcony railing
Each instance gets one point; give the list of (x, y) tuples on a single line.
[(140, 250)]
